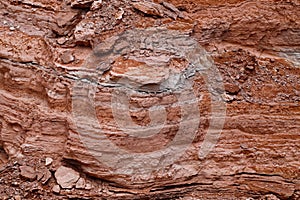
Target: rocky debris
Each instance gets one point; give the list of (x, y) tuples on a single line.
[(80, 184), (48, 161), (66, 177), (56, 189), (28, 173), (67, 57)]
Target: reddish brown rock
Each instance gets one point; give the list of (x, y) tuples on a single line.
[(28, 172), (66, 177), (255, 46), (56, 189), (231, 88)]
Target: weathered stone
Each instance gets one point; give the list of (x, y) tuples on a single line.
[(67, 57), (56, 189), (46, 176), (231, 88), (28, 173), (80, 184), (48, 161), (81, 3), (96, 5), (88, 186), (17, 197), (66, 177), (149, 8)]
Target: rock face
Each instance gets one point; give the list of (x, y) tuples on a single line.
[(150, 99)]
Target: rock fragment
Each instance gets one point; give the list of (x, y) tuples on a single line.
[(227, 97), (154, 9), (62, 40), (67, 57), (81, 3), (66, 177), (250, 67), (56, 189), (88, 186), (46, 176), (80, 184), (48, 161), (96, 5), (231, 88), (17, 197), (119, 14), (171, 7), (28, 172), (149, 8)]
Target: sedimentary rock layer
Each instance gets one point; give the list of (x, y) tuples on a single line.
[(65, 65)]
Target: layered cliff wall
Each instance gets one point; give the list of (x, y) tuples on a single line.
[(156, 99)]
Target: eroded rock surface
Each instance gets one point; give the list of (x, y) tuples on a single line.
[(53, 51)]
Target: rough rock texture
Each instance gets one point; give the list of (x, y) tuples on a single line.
[(66, 177), (48, 48)]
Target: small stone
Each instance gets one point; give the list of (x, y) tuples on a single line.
[(66, 177), (88, 186), (56, 189), (80, 184), (46, 176), (48, 161), (119, 14), (96, 5), (244, 146), (62, 40), (67, 57), (5, 22), (227, 97), (250, 67), (17, 197), (231, 88), (28, 172), (149, 8), (39, 176), (81, 3), (14, 183), (12, 28)]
